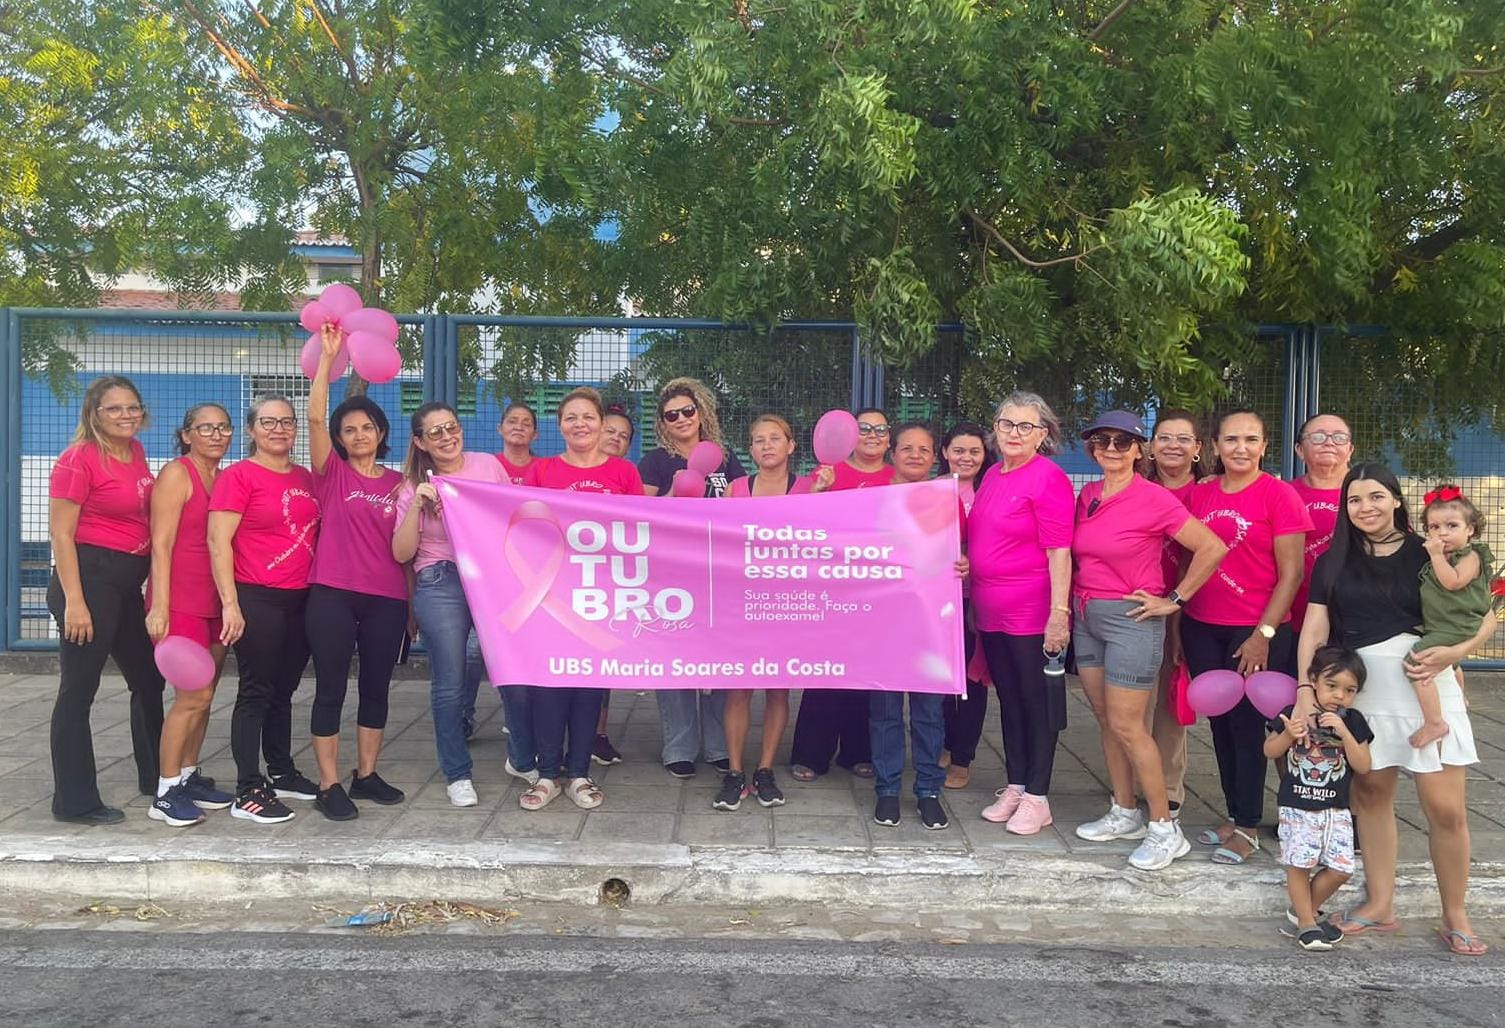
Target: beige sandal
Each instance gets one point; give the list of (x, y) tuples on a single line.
[(539, 795), (585, 794)]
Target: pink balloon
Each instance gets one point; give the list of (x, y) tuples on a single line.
[(375, 358), (314, 315), (706, 457), (339, 299), (1270, 691), (835, 436), (184, 663), (373, 320), (688, 482), (309, 359), (1215, 692)]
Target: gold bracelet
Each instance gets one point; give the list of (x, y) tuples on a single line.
[(1063, 610)]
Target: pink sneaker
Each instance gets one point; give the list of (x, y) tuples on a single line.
[(1033, 814), (1001, 809)]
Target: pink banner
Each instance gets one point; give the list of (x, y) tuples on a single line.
[(849, 590)]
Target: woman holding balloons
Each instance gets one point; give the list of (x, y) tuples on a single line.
[(1240, 620), (1122, 523), (184, 608)]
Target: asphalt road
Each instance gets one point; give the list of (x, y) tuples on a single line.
[(79, 978)]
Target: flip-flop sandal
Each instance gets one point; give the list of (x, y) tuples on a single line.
[(1353, 924), (863, 769), (1461, 944), (1209, 837), (801, 773), (1224, 855)]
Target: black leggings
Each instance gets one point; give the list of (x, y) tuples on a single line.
[(111, 582), (965, 715), (832, 723), (1238, 737), (271, 653), (1033, 713), (339, 623)]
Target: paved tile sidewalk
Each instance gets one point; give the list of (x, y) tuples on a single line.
[(643, 803)]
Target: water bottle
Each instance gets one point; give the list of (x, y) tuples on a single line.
[(1055, 665)]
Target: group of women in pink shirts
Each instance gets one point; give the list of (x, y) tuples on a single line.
[(1185, 552)]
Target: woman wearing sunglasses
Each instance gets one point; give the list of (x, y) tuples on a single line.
[(437, 447), (263, 525), (1325, 445), (1121, 525)]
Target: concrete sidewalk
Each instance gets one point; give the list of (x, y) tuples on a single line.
[(655, 833)]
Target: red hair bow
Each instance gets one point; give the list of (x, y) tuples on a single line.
[(1442, 494)]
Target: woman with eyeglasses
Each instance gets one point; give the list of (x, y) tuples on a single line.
[(866, 467), (98, 520), (571, 711), (519, 428), (1240, 620), (263, 526), (358, 598), (182, 601), (692, 722), (965, 455), (1117, 543), (1019, 547), (436, 446), (1325, 445)]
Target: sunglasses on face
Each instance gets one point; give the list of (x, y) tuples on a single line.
[(673, 414), (1115, 441), (1007, 427), (210, 431), (1336, 438), (863, 428), (439, 431), (270, 424)]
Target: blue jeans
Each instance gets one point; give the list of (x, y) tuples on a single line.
[(522, 747), (560, 711), (692, 724), (927, 733), (444, 621)]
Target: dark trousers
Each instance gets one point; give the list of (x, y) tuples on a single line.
[(1033, 713), (111, 582), (1238, 737), (832, 725), (340, 622), (965, 714), (562, 711), (271, 654)]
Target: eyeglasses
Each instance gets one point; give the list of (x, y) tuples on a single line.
[(134, 410), (439, 431), (1336, 438), (673, 414), (209, 431), (863, 428), (1007, 427), (269, 424), (1117, 442), (1179, 440)]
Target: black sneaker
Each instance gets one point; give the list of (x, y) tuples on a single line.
[(766, 789), (374, 788), (334, 804), (932, 814), (175, 808), (294, 787), (261, 805), (723, 765), (1314, 939), (604, 753), (886, 811), (681, 768), (733, 788), (203, 793), (98, 816)]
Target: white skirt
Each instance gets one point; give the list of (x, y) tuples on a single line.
[(1388, 702)]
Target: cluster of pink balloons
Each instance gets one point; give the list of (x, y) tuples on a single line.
[(369, 335), (185, 663), (836, 437), (703, 460), (1218, 691)]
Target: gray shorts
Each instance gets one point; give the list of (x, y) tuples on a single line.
[(1128, 651)]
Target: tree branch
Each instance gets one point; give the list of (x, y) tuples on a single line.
[(988, 227), (1107, 22), (349, 58), (245, 69)]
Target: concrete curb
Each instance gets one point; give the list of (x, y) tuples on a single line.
[(219, 871)]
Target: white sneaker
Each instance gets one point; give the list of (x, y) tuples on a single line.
[(1117, 823), (1162, 844), (462, 793), (531, 777)]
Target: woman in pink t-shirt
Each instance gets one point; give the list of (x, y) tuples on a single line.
[(99, 499), (1019, 546), (1118, 595), (358, 592), (263, 524), (1240, 619), (437, 447), (560, 711), (183, 601), (1325, 445), (965, 455)]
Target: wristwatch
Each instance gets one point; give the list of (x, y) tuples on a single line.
[(1177, 598), (1267, 631)]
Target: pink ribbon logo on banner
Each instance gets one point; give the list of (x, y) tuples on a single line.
[(535, 550)]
